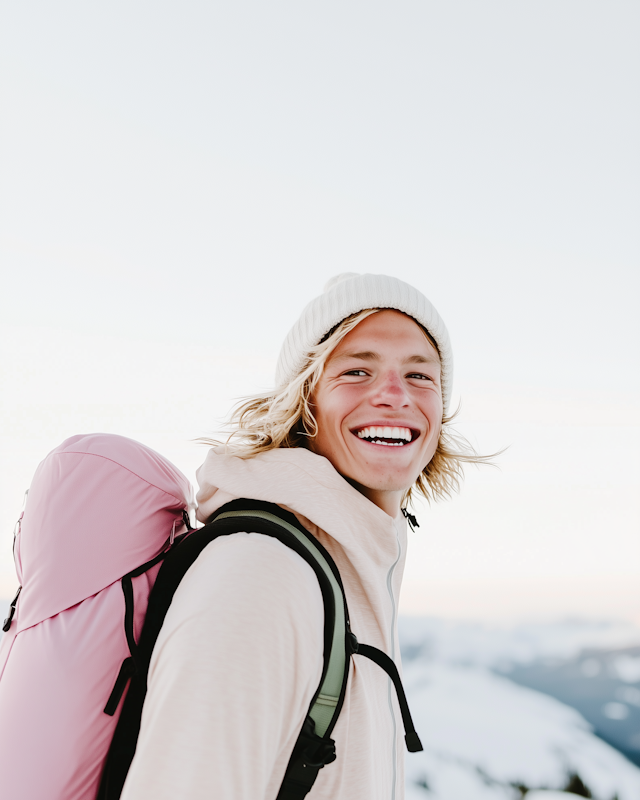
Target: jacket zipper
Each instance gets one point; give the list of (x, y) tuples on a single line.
[(394, 749)]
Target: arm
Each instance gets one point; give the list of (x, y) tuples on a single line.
[(232, 675)]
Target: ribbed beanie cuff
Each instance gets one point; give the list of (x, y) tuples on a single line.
[(347, 294)]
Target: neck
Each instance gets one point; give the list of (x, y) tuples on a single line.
[(387, 501)]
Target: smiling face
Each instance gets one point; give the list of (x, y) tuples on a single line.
[(378, 406)]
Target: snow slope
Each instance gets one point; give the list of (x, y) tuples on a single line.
[(484, 735)]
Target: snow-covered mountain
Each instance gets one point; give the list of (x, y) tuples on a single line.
[(491, 646), (488, 738)]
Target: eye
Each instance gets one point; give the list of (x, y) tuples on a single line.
[(419, 376), (359, 373)]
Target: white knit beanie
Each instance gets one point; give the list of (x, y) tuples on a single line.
[(347, 294)]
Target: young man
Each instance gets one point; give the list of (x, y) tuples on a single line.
[(357, 422)]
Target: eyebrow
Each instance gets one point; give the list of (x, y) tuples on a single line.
[(369, 355)]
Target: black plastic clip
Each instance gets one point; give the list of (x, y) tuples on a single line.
[(413, 522), (322, 755), (12, 611)]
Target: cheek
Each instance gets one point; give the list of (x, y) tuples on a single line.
[(325, 417), (331, 408), (432, 445), (432, 410), (331, 415)]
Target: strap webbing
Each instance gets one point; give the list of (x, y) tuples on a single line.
[(414, 745), (127, 669)]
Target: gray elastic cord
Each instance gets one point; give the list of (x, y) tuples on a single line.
[(323, 709)]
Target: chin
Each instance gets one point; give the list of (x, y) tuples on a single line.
[(374, 484)]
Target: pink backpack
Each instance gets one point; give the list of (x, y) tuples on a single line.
[(100, 507)]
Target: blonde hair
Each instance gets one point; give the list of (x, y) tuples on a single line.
[(284, 418)]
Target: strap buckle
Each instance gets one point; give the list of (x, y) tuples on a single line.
[(322, 755)]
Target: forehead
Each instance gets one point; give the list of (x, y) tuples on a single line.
[(390, 332)]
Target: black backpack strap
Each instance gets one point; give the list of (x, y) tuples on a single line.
[(314, 747), (412, 740)]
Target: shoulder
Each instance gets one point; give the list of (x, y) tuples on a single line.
[(247, 599), (262, 558), (251, 577)]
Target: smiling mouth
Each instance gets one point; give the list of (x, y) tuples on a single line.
[(391, 437)]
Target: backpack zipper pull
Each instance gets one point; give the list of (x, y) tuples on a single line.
[(12, 611)]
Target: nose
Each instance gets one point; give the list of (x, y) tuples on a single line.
[(389, 390)]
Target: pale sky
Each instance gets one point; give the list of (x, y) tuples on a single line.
[(177, 180)]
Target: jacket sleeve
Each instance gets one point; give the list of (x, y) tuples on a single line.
[(233, 672)]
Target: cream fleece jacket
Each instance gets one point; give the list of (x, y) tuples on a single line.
[(240, 654)]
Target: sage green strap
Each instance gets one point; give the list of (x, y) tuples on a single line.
[(324, 707)]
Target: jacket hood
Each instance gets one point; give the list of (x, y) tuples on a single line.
[(304, 482), (367, 544)]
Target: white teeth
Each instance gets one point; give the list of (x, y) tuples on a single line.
[(376, 433)]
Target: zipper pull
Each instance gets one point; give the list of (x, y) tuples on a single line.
[(12, 611), (413, 522)]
